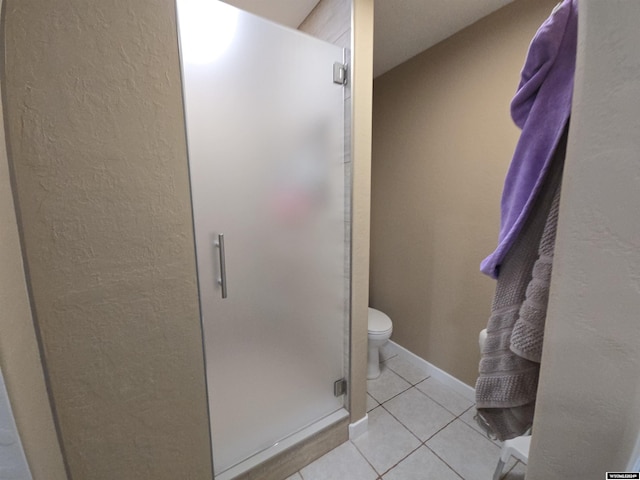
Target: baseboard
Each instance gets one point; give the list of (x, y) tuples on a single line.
[(358, 428), (429, 369)]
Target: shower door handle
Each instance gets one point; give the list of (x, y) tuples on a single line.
[(222, 281)]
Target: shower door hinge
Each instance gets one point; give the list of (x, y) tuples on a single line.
[(340, 387), (339, 73)]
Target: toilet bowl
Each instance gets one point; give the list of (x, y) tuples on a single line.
[(482, 339), (380, 328)]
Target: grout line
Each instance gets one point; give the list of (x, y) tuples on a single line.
[(483, 434), (443, 406), (480, 434), (374, 408), (402, 459), (398, 462), (450, 422), (459, 417), (377, 402), (410, 386), (365, 457), (466, 410), (464, 423), (504, 475), (398, 420), (406, 379), (389, 358), (442, 376), (409, 429), (424, 443), (442, 460), (391, 398)]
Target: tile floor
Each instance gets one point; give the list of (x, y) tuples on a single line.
[(419, 429)]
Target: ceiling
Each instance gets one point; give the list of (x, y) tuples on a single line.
[(403, 28), (285, 12)]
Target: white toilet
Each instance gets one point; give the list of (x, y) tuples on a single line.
[(482, 339), (380, 328)]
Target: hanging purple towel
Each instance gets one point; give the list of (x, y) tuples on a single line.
[(541, 108)]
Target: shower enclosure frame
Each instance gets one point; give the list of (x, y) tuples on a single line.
[(212, 248)]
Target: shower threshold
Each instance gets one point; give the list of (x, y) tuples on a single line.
[(282, 445)]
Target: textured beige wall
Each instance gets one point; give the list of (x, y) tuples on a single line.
[(361, 112), (95, 127), (588, 409), (442, 141), (19, 354)]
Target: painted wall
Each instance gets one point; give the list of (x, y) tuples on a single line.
[(361, 131), (20, 360), (96, 135), (442, 142), (588, 410)]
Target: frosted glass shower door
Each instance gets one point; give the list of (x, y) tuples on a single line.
[(265, 132)]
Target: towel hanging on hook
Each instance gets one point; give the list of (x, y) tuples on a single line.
[(541, 108)]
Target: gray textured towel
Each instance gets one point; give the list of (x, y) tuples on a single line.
[(528, 332), (509, 367)]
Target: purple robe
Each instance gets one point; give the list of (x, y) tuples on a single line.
[(541, 108)]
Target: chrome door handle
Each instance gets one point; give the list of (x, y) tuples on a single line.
[(222, 281)]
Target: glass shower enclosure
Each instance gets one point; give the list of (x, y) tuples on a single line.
[(265, 135)]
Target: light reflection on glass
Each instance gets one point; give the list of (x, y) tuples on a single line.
[(207, 28)]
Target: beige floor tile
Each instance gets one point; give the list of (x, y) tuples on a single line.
[(386, 442), (406, 370), (445, 396), (371, 403), (470, 454), (420, 465), (387, 385), (427, 411), (516, 473), (387, 352), (419, 413), (467, 417), (343, 462)]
